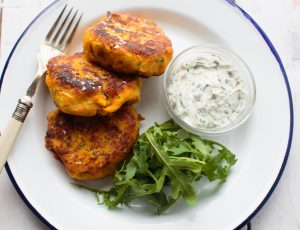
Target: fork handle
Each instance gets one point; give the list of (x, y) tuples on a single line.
[(13, 128)]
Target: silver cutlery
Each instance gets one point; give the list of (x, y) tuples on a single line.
[(55, 43)]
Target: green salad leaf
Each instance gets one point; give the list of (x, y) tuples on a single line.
[(166, 156)]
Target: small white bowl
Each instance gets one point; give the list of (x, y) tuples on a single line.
[(230, 57)]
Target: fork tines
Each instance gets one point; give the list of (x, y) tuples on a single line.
[(66, 24)]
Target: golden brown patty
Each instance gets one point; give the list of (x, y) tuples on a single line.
[(92, 147), (82, 88), (128, 44)]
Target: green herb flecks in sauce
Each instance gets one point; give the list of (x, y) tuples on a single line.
[(207, 92)]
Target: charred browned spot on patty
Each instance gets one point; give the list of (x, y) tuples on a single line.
[(82, 88), (128, 44), (81, 84), (92, 147)]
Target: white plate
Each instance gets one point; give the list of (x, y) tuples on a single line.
[(261, 145)]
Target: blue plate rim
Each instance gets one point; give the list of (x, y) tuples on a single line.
[(272, 49)]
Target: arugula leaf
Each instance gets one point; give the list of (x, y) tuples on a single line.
[(166, 156), (178, 180), (161, 202)]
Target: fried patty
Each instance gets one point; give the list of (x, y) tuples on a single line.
[(92, 147), (79, 87), (128, 44)]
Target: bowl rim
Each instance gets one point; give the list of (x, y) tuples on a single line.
[(241, 119)]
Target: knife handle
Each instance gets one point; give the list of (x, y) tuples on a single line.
[(12, 129)]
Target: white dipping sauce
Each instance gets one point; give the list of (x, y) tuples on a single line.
[(207, 92)]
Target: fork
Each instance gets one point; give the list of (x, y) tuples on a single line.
[(56, 42)]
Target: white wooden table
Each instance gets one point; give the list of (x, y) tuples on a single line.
[(280, 19)]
